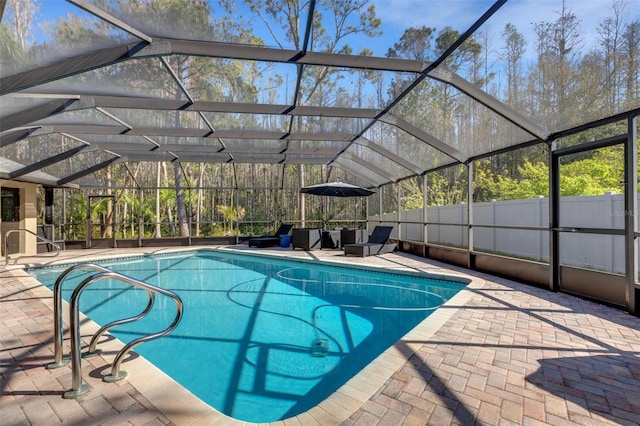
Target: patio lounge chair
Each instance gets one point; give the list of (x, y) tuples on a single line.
[(378, 243), (271, 240)]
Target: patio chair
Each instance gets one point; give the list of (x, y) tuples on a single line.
[(306, 238), (271, 240), (378, 243)]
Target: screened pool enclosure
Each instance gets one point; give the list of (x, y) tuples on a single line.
[(501, 136)]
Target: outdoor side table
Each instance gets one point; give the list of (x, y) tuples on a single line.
[(352, 236)]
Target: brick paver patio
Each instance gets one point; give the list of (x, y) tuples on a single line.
[(519, 355), (509, 354)]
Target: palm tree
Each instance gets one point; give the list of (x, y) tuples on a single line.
[(230, 215)]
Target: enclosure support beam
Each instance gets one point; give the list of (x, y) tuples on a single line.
[(64, 214), (630, 214), (140, 217), (89, 232), (388, 154), (371, 167), (399, 215), (49, 230), (425, 213), (366, 213), (424, 137), (554, 218), (189, 197), (380, 204), (470, 259), (104, 16), (505, 111), (237, 208), (325, 205), (86, 172), (46, 162), (52, 107), (113, 224), (9, 137), (69, 66), (354, 171)]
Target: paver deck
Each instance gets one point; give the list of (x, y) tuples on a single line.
[(498, 353)]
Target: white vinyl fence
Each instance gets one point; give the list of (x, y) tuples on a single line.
[(594, 251)]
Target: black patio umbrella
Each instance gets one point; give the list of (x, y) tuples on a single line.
[(336, 189)]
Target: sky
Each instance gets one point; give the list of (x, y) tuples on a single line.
[(400, 14), (397, 15)]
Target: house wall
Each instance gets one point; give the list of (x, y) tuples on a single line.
[(22, 242)]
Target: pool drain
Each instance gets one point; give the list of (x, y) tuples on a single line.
[(320, 348)]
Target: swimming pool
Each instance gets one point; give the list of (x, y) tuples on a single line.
[(261, 339)]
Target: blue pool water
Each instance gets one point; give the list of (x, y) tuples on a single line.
[(261, 339)]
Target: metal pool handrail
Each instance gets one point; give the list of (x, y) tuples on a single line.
[(40, 237), (92, 351), (57, 312), (77, 387), (57, 317)]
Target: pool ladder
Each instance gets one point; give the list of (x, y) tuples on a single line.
[(79, 388)]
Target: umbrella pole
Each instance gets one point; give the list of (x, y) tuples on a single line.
[(324, 216), (355, 215)]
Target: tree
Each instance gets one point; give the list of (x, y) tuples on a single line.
[(319, 84), (20, 14), (512, 54), (631, 49), (591, 173), (204, 78), (12, 52), (461, 61), (447, 186), (610, 31), (415, 43), (553, 85), (231, 215)]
